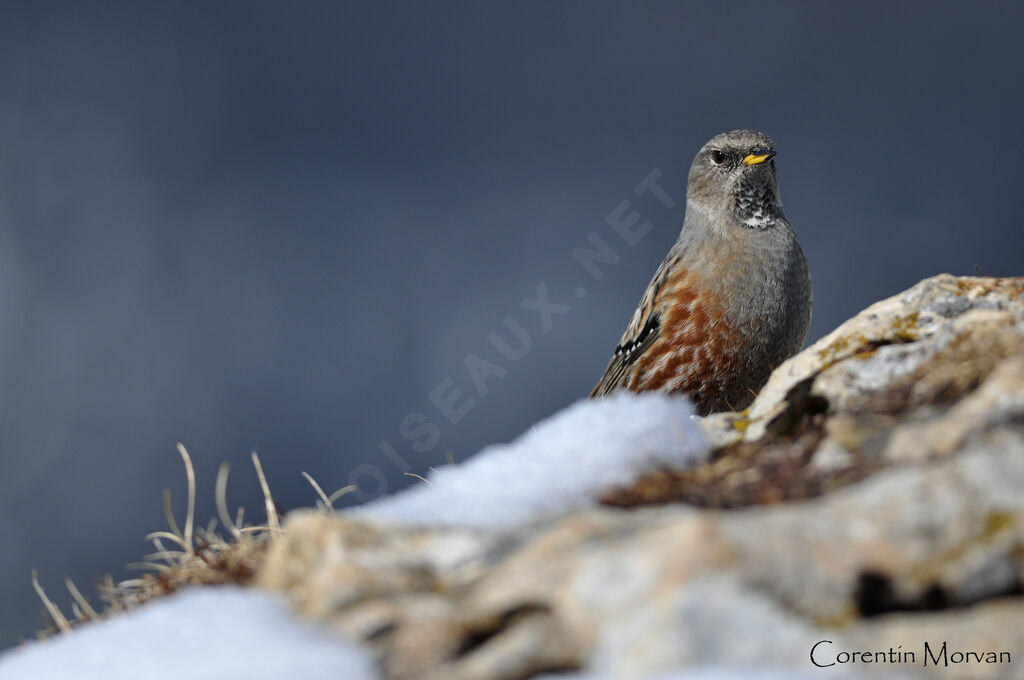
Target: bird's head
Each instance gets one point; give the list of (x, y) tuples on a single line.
[(734, 175)]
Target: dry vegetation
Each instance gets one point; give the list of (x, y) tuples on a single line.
[(185, 555)]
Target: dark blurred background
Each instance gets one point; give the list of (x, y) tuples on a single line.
[(278, 228)]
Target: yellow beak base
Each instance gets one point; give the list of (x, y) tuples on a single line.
[(754, 160)]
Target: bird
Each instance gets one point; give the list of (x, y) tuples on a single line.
[(732, 299)]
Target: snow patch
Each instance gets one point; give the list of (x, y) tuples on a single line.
[(562, 464), (210, 633)]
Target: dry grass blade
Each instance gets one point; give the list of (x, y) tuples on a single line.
[(221, 498), (177, 538), (172, 523), (319, 492), (339, 493), (149, 566), (190, 473), (54, 611), (169, 556), (328, 501), (245, 531), (80, 599), (267, 499)]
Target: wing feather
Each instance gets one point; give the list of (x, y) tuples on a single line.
[(643, 329)]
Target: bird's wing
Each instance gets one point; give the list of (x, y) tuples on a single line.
[(641, 333)]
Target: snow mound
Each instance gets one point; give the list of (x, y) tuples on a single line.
[(212, 633), (561, 464)]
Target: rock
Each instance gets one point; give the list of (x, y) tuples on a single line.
[(870, 496), (866, 356)]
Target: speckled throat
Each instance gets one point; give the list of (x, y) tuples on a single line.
[(757, 202)]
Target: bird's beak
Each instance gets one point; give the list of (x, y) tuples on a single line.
[(759, 156)]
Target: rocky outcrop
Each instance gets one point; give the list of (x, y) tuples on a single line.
[(871, 496)]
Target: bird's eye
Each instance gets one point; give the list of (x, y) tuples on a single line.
[(717, 157)]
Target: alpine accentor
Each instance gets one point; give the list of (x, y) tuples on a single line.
[(732, 300)]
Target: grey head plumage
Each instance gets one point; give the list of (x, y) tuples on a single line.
[(733, 176)]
